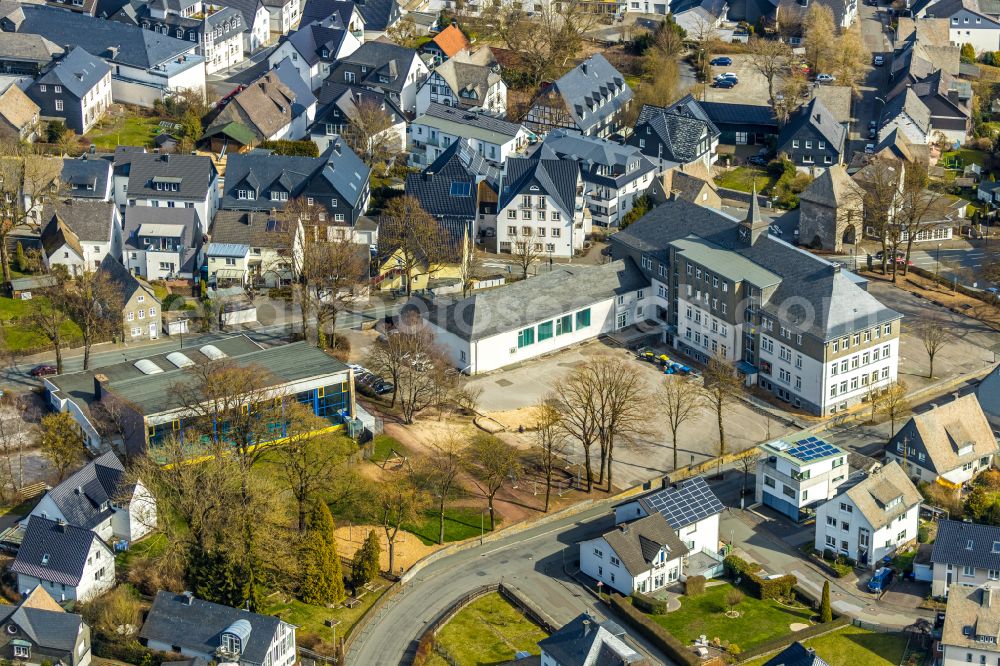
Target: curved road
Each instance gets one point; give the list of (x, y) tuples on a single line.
[(529, 561)]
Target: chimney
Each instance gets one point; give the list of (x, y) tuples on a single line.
[(79, 490), (100, 385), (61, 525), (187, 597), (165, 157), (586, 627), (835, 268), (991, 597)]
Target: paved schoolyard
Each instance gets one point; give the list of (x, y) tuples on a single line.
[(652, 455)]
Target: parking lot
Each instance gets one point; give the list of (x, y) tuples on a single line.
[(752, 88)]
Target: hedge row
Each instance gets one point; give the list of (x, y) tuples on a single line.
[(800, 636), (762, 588), (648, 604), (130, 652), (654, 633)]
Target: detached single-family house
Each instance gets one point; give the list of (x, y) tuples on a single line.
[(162, 243), (590, 98), (175, 181), (284, 15), (69, 562), (141, 316), (467, 81), (227, 264), (275, 246), (953, 442), (100, 498), (87, 178), (343, 109), (797, 473), (431, 133), (586, 642), (256, 24), (79, 234), (37, 630), (346, 12), (315, 47), (642, 556), (19, 115), (813, 138), (395, 69), (263, 111), (76, 90), (964, 554), (971, 631), (870, 519), (680, 134), (197, 628)]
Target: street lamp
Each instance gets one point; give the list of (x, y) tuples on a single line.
[(937, 261)]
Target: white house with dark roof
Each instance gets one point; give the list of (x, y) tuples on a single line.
[(586, 642), (681, 133), (274, 246), (87, 178), (964, 554), (590, 98), (316, 47), (162, 180), (75, 90), (799, 472), (162, 243), (432, 133), (99, 497), (69, 562), (494, 328), (870, 519), (967, 23), (467, 81), (397, 70), (79, 234), (640, 556), (256, 23), (341, 107), (813, 138)]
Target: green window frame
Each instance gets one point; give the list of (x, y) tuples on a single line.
[(544, 330), (564, 325), (583, 319), (525, 337)]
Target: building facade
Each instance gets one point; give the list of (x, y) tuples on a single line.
[(798, 473)]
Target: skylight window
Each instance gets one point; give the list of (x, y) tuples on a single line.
[(45, 559), (996, 547), (968, 544), (460, 189)]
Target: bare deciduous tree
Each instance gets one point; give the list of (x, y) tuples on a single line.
[(748, 463), (549, 442), (920, 201), (410, 236), (770, 57), (437, 475), (722, 386), (27, 182), (933, 333), (396, 503), (623, 408), (471, 267), (850, 59), (682, 401), (333, 278), (893, 403), (577, 400), (370, 131), (880, 182), (525, 249), (492, 462), (94, 302), (819, 33), (50, 317)]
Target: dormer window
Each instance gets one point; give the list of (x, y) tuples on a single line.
[(279, 196), (996, 547), (968, 544), (45, 560), (325, 53), (245, 195)]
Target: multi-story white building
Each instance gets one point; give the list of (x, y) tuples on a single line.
[(871, 519), (971, 632), (162, 243), (175, 181), (78, 234), (797, 473), (642, 556), (433, 132), (468, 81), (69, 562), (965, 555)]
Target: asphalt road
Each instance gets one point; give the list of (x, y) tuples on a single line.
[(868, 107)]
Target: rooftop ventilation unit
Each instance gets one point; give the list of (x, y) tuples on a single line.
[(212, 352), (147, 367), (180, 360)]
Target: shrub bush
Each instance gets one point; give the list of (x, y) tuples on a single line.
[(648, 604), (922, 535), (762, 588), (294, 148), (654, 633), (694, 585), (829, 555)]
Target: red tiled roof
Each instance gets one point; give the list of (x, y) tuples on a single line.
[(451, 40)]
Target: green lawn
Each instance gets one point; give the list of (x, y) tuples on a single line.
[(853, 645), (488, 631), (128, 131), (759, 621), (459, 523), (382, 444), (742, 179), (24, 338), (964, 157)]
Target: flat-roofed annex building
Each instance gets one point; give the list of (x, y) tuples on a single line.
[(148, 411)]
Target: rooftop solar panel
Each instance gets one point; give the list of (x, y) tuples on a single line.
[(812, 448), (692, 501)]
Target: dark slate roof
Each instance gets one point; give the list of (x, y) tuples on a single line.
[(84, 172), (127, 282), (251, 228), (196, 174), (556, 178), (196, 626), (248, 8), (689, 107), (470, 158), (682, 504), (382, 59), (66, 545), (446, 191), (568, 288), (680, 133), (724, 113), (137, 47), (951, 546), (84, 498), (379, 14), (45, 628), (486, 124), (88, 221), (584, 87), (78, 72), (312, 38), (575, 644), (638, 542), (190, 239), (320, 10), (909, 103), (796, 654), (822, 120), (595, 155), (839, 305), (345, 99)]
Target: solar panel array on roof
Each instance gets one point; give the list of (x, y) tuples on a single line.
[(685, 505), (812, 448)]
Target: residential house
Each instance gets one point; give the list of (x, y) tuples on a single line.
[(342, 106), (446, 44), (27, 55), (951, 441), (79, 234), (468, 81), (101, 498), (227, 265), (566, 306), (256, 23), (927, 103), (742, 124), (335, 184), (19, 115), (813, 138), (275, 246), (988, 392), (680, 134), (796, 654), (141, 389), (305, 103), (970, 633), (988, 192), (968, 23), (614, 176), (284, 16), (494, 138), (837, 100), (385, 66), (217, 30), (377, 16), (586, 642), (163, 243), (87, 178), (174, 181), (147, 67), (831, 211), (347, 12), (541, 202), (121, 168), (315, 47), (705, 266), (590, 98), (691, 509), (964, 555), (797, 473), (67, 561), (692, 184), (263, 111), (695, 15), (792, 12), (141, 312), (197, 628), (641, 556), (871, 518), (76, 90), (37, 630)]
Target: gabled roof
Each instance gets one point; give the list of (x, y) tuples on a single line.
[(837, 99), (247, 8), (143, 220), (682, 504), (195, 173), (311, 39), (592, 91), (638, 543), (737, 114), (451, 40), (249, 228), (196, 625), (447, 188), (466, 76), (128, 283), (379, 15), (796, 654), (85, 497), (43, 621), (470, 124), (585, 642), (593, 154), (384, 60), (945, 431), (823, 121), (972, 617), (89, 221), (78, 72), (86, 177), (963, 544), (55, 552), (988, 390), (265, 106), (556, 178), (16, 108), (28, 48), (874, 496), (320, 10), (346, 99), (833, 188)]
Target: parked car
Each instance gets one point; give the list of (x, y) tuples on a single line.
[(872, 133), (722, 61), (881, 580), (878, 61), (43, 370), (825, 78), (757, 160), (724, 83), (726, 75), (869, 148), (993, 290)]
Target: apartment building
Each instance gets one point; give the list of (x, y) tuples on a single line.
[(440, 126), (799, 472), (591, 98), (175, 181), (76, 90)]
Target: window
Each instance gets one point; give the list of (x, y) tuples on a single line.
[(59, 105), (831, 521), (583, 319), (968, 571), (22, 652), (42, 87), (130, 316), (564, 325), (544, 330), (847, 508), (526, 337), (790, 492)]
